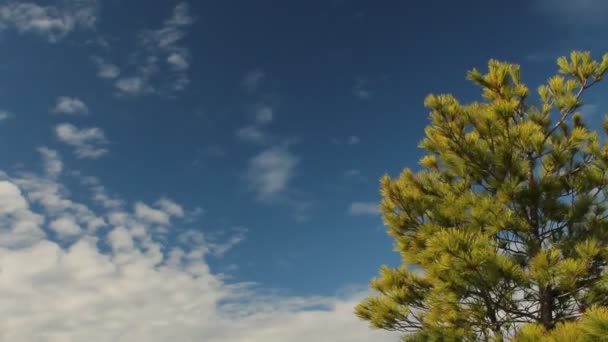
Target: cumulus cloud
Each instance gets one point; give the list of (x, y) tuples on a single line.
[(105, 70), (270, 171), (53, 22), (162, 60), (65, 227), (253, 80), (20, 225), (363, 208), (161, 216), (52, 197), (70, 105), (87, 142), (124, 284), (4, 115)]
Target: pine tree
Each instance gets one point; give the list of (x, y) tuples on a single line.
[(503, 232)]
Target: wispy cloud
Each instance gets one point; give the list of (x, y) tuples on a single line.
[(214, 151), (355, 175), (251, 134), (361, 89), (220, 243), (87, 142), (352, 173), (71, 106), (178, 61), (270, 172), (204, 155), (255, 133), (135, 85), (52, 162), (5, 115), (351, 140), (162, 61), (105, 70), (253, 80), (161, 215), (264, 114), (53, 22), (100, 194), (567, 11), (363, 208)]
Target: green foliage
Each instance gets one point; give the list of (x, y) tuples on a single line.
[(592, 327), (503, 232)]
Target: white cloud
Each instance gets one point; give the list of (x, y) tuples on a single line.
[(120, 239), (181, 16), (363, 208), (51, 22), (138, 287), (253, 80), (4, 115), (270, 171), (219, 245), (264, 114), (70, 105), (151, 215), (65, 226), (52, 162), (19, 226), (127, 285), (133, 85), (51, 196), (100, 194), (105, 70), (168, 36), (251, 134), (254, 133), (87, 142), (170, 207), (178, 61), (155, 46)]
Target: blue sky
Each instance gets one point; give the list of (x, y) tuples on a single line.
[(250, 134)]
